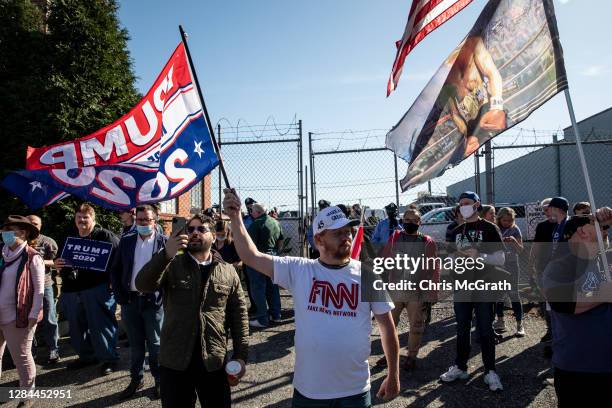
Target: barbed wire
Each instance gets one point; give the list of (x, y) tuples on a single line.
[(258, 131)]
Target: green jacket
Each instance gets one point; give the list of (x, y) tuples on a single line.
[(265, 232), (191, 303)]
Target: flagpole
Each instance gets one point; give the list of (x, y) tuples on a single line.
[(210, 129), (587, 179)]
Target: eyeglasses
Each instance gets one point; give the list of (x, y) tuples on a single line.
[(200, 228)]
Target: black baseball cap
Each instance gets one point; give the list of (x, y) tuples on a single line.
[(560, 203), (249, 201), (391, 207), (323, 204)]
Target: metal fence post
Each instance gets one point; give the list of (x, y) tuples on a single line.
[(477, 173), (312, 180), (300, 185), (396, 181), (488, 172), (220, 175)]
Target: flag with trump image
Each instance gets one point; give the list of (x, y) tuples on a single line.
[(508, 65), (158, 150)]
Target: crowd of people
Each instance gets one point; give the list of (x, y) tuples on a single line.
[(181, 298)]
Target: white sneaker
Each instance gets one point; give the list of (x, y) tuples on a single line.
[(453, 374), (499, 325), (492, 380), (520, 330), (255, 323)]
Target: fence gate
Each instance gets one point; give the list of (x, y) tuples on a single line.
[(264, 162)]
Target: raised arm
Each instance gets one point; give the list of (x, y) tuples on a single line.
[(247, 251)]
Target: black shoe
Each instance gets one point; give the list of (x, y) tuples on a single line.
[(157, 392), (108, 368), (80, 363), (546, 338), (131, 389)]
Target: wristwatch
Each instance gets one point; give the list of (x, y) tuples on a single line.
[(496, 103)]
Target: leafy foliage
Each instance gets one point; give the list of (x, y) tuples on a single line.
[(63, 74)]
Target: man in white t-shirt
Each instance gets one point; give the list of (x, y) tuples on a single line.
[(332, 324)]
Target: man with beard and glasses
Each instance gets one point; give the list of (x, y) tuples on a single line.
[(202, 299), (332, 338)]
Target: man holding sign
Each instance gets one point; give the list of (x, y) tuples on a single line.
[(87, 298)]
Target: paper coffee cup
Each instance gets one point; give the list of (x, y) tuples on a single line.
[(233, 368)]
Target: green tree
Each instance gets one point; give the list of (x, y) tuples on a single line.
[(65, 72)]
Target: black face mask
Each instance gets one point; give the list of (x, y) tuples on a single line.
[(410, 227)]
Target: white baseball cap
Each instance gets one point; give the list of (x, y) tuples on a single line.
[(331, 218)]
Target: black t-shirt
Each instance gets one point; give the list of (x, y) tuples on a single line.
[(82, 278), (228, 253), (481, 235), (544, 231), (485, 237)]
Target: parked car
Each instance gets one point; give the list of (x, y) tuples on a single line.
[(435, 222)]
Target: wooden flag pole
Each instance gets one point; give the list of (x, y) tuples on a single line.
[(585, 172), (210, 129)]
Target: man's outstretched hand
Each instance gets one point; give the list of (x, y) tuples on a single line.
[(231, 203)]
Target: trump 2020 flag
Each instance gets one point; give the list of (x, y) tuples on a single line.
[(509, 64), (157, 151)]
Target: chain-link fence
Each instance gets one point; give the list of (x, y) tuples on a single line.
[(264, 162)]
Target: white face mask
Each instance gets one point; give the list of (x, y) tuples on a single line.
[(220, 238), (467, 211)]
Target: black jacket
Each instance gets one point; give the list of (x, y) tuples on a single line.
[(123, 262)]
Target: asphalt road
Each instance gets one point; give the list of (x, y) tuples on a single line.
[(520, 365)]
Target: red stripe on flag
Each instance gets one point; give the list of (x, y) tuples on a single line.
[(413, 38), (357, 242)]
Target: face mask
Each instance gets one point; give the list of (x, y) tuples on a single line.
[(8, 237), (221, 238), (466, 211), (144, 229), (410, 227)]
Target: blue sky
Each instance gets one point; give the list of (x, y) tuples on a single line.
[(327, 61)]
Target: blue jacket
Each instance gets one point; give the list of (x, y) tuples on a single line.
[(123, 262), (382, 233)]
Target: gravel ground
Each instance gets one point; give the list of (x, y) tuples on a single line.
[(268, 381)]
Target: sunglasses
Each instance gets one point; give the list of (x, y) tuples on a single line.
[(201, 229)]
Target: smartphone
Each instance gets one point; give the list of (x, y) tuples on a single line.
[(178, 225)]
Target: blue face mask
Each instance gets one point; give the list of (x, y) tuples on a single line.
[(144, 229), (8, 237)]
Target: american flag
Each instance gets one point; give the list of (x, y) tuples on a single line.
[(425, 16)]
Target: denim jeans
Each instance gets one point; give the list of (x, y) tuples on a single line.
[(484, 320), (143, 321), (362, 400), (264, 293), (93, 326), (48, 325)]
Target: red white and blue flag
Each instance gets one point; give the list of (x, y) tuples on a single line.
[(159, 150), (424, 17)]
